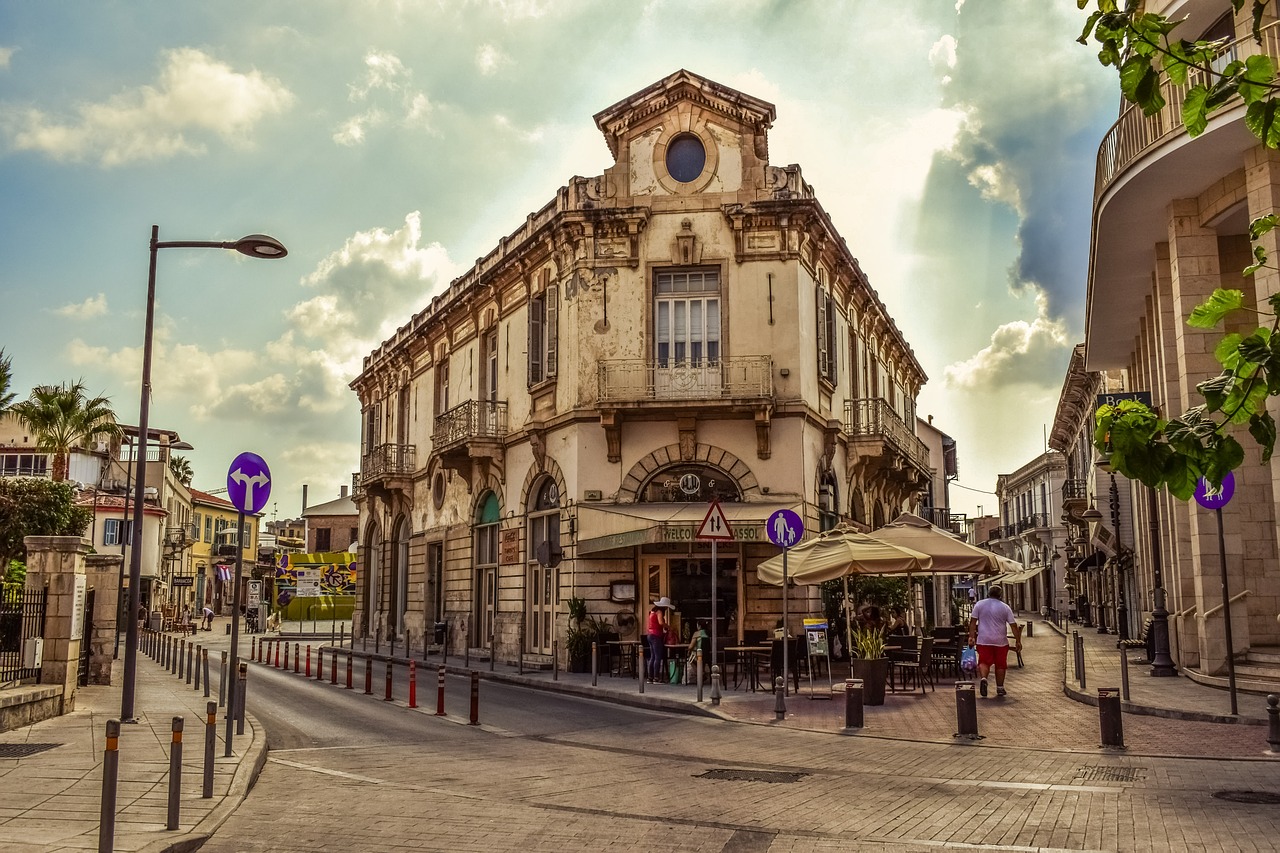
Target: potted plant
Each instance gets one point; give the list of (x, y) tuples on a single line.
[(584, 631), (870, 665)]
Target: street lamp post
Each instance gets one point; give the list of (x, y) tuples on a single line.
[(255, 246)]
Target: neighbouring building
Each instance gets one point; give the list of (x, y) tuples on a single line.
[(1170, 224), (333, 525), (687, 327), (1031, 534), (214, 553)]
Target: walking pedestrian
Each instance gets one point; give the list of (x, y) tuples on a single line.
[(208, 618), (987, 630), (656, 634)]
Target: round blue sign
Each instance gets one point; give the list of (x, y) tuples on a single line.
[(784, 528), (1211, 498), (249, 482)]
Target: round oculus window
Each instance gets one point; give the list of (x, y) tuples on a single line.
[(686, 158)]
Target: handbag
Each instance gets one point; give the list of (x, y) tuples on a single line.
[(968, 659)]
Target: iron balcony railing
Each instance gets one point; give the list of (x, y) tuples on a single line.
[(1134, 133), (1075, 490), (739, 378), (387, 459), (997, 533), (1033, 521), (875, 417), (474, 419)]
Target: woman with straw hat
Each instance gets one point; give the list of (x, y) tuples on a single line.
[(656, 635)]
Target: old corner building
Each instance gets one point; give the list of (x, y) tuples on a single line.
[(686, 326)]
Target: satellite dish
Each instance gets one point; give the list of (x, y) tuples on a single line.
[(549, 554), (626, 623)]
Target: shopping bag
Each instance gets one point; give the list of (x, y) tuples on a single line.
[(968, 659), (673, 672)]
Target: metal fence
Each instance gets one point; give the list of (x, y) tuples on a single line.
[(22, 613)]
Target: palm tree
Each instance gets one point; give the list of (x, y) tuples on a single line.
[(62, 419), (6, 379), (181, 469)]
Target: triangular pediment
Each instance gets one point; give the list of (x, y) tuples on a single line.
[(618, 121)]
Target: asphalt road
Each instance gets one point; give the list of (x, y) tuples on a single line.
[(351, 772)]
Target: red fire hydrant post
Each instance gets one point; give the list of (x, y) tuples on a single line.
[(475, 699), (413, 683), (440, 692)]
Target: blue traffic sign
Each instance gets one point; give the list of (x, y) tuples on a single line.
[(784, 528), (249, 482), (1211, 498)]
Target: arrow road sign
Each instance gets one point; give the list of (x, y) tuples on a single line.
[(715, 526), (249, 482)]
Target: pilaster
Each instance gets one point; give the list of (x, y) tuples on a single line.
[(56, 564)]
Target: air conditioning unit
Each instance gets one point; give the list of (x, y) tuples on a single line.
[(32, 652), (152, 493)]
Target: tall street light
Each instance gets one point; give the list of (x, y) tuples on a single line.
[(255, 246)]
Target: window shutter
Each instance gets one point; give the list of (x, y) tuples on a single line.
[(831, 339), (823, 343), (535, 340), (552, 330)]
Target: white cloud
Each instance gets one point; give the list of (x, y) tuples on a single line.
[(195, 96), (6, 55), (385, 85), (1019, 352), (94, 306), (943, 52), (489, 59)]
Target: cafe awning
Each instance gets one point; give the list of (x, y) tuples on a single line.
[(606, 527)]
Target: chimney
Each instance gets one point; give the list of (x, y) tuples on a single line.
[(342, 491), (304, 497)]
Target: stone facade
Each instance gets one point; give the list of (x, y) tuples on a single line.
[(687, 326), (1170, 224)]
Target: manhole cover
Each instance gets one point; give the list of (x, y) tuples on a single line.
[(1254, 798), (23, 750), (774, 776), (1102, 773)]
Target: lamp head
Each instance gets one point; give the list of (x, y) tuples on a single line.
[(1091, 514), (260, 246)]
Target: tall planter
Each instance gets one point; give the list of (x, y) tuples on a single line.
[(874, 673)]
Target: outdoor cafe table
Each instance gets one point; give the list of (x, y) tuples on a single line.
[(743, 655), (626, 655)]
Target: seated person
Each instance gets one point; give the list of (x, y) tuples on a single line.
[(699, 640), (898, 623), (874, 620)]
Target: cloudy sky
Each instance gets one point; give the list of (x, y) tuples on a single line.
[(389, 143)]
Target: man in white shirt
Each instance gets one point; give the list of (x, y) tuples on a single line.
[(987, 630)]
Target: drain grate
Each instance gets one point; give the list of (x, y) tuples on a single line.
[(1253, 798), (1103, 773), (24, 750), (772, 776)]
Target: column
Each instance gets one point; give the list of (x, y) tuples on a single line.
[(56, 564)]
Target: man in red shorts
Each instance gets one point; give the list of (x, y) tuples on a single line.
[(987, 630)]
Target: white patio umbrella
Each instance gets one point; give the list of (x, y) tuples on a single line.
[(950, 555)]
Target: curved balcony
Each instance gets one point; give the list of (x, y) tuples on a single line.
[(881, 443), (470, 433), (1134, 134)]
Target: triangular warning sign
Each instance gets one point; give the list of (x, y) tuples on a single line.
[(715, 525)]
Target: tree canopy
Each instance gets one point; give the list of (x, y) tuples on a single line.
[(32, 506), (6, 380), (62, 418)]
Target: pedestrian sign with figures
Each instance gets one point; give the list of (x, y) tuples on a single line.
[(715, 526)]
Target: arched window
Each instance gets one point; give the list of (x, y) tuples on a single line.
[(372, 584), (691, 483), (828, 502), (485, 557), (399, 577), (543, 557)]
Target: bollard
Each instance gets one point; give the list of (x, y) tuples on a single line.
[(110, 772), (297, 657), (1029, 624), (253, 649), (387, 698), (853, 717), (779, 699), (466, 652), (698, 663), (308, 660), (276, 645), (519, 653), (199, 656), (392, 653), (342, 635), (966, 711), (320, 663), (1083, 684), (413, 683), (555, 660), (242, 684), (175, 774), (210, 739), (333, 668), (715, 684), (440, 692), (349, 657), (1273, 715), (222, 686), (204, 655), (1110, 718), (191, 656), (595, 662), (475, 699), (491, 654), (368, 676), (1124, 673), (182, 659), (640, 670)]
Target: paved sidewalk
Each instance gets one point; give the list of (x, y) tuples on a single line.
[(50, 800)]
